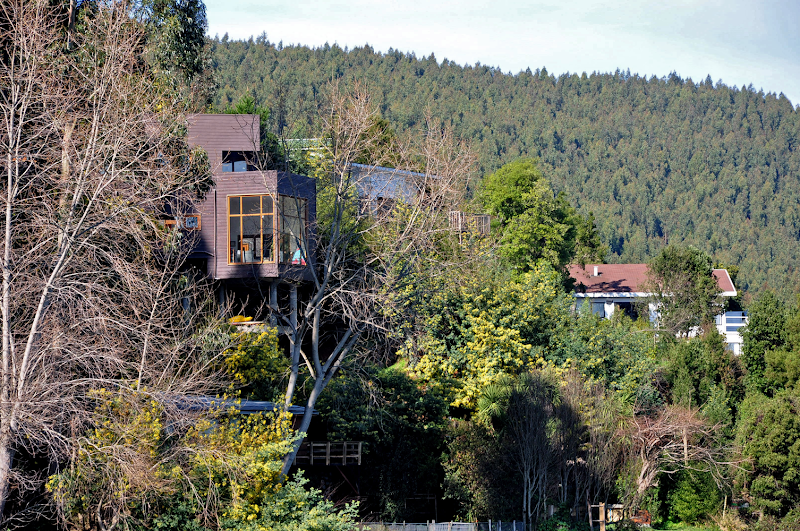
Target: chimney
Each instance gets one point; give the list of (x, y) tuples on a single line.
[(596, 272)]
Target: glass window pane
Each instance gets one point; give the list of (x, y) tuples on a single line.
[(235, 240), (285, 255), (266, 204), (233, 207), (251, 205), (292, 226), (294, 207), (268, 238), (296, 229), (289, 208), (251, 233), (257, 249), (251, 226)]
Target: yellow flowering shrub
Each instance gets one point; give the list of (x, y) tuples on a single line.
[(143, 458), (256, 365), (500, 329)]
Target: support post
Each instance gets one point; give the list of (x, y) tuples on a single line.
[(273, 302), (602, 517), (293, 307)]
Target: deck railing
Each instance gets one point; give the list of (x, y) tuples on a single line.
[(471, 223), (329, 453)]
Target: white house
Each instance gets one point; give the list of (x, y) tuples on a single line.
[(611, 287)]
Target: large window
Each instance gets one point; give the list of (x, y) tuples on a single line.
[(251, 229), (292, 240)]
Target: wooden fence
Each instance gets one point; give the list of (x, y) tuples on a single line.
[(443, 526)]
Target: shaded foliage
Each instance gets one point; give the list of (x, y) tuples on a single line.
[(402, 427)]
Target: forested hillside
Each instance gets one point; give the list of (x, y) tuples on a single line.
[(656, 160)]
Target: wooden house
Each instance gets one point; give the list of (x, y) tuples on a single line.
[(253, 224)]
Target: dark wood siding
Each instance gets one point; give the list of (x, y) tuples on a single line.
[(243, 183), (224, 132)]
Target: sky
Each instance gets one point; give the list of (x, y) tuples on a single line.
[(740, 42)]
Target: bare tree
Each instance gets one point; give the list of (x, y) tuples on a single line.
[(595, 446), (367, 250), (93, 292), (672, 439)]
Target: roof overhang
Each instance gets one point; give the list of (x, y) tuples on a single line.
[(611, 295)]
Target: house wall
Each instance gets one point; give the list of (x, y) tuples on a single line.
[(729, 324), (224, 132)]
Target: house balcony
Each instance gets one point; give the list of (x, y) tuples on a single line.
[(729, 325)]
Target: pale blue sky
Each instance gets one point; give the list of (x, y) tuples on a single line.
[(738, 41)]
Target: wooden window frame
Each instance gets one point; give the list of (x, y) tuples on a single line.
[(261, 215)]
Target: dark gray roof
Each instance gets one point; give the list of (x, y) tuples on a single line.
[(378, 182)]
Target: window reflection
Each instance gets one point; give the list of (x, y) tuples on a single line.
[(292, 239)]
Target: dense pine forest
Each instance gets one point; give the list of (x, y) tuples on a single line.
[(657, 160)]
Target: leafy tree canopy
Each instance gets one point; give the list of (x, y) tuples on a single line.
[(534, 223), (768, 432), (765, 330), (176, 35), (685, 290)]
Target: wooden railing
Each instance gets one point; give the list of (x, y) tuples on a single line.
[(473, 223), (329, 453)]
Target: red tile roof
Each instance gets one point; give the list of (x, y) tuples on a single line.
[(627, 278), (611, 278)]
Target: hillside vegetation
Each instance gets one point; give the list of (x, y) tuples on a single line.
[(655, 160)]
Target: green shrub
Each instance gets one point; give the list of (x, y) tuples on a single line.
[(695, 496)]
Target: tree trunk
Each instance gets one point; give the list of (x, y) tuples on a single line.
[(6, 461), (295, 345), (288, 461), (322, 376)]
